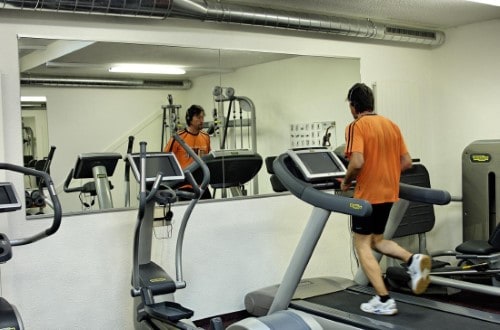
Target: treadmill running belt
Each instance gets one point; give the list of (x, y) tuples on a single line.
[(409, 316)]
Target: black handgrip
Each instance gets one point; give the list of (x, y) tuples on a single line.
[(142, 180), (46, 165), (56, 205), (67, 182), (206, 172), (424, 195), (127, 164)]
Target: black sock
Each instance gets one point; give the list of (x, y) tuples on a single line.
[(410, 260), (384, 298)]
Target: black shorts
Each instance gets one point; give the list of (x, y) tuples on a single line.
[(374, 223)]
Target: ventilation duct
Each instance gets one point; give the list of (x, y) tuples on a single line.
[(216, 11), (100, 83)]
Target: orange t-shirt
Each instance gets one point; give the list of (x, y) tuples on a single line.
[(200, 143), (382, 145)]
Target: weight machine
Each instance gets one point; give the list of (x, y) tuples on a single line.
[(237, 134), (170, 121)]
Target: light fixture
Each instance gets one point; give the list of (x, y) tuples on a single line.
[(33, 99), (147, 68), (487, 2)]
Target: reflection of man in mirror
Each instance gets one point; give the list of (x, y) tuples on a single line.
[(195, 137)]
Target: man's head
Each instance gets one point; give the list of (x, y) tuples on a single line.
[(195, 116), (360, 98)]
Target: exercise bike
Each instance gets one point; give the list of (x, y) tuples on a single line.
[(10, 202), (475, 265)]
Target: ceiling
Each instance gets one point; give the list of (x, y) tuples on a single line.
[(77, 59), (87, 60)]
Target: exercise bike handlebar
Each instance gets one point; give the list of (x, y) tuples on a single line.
[(306, 192), (54, 203), (68, 181)]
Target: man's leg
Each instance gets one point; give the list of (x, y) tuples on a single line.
[(419, 266), (381, 303), (370, 265)]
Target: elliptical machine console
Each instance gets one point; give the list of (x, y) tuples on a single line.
[(99, 167)]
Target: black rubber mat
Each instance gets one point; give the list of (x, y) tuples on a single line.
[(409, 316)]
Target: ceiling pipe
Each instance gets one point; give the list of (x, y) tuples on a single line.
[(30, 81), (217, 11)]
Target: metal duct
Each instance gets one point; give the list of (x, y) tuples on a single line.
[(100, 83), (216, 11)]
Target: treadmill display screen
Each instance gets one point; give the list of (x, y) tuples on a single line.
[(166, 163), (317, 163)]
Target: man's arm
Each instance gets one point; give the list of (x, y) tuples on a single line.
[(356, 162), (406, 162)]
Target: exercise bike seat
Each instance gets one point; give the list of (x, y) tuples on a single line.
[(482, 247), (476, 247)]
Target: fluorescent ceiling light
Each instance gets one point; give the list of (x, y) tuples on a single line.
[(147, 68), (487, 2), (33, 99)]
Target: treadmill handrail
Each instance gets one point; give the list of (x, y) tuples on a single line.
[(306, 192), (423, 194)]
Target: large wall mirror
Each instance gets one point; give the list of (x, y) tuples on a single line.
[(256, 103)]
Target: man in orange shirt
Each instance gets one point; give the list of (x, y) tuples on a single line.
[(377, 154), (195, 137)]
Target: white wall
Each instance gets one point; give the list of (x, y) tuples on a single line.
[(80, 278), (64, 282), (465, 109)]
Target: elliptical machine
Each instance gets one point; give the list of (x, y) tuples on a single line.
[(159, 175), (9, 202)]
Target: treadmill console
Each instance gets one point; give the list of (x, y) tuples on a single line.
[(157, 162), (316, 164)]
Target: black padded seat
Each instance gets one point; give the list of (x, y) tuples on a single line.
[(482, 247), (476, 247), (232, 170)]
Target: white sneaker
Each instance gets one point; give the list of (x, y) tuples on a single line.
[(375, 306), (419, 272)]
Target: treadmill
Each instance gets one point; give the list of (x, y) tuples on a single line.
[(337, 300)]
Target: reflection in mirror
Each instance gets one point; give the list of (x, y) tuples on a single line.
[(35, 148), (299, 101), (256, 104)]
